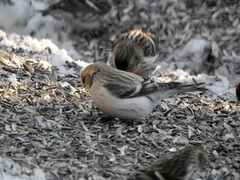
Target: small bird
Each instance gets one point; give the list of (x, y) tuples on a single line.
[(238, 94), (126, 95), (179, 166), (80, 14), (200, 56), (137, 52)]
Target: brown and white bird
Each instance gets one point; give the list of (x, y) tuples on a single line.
[(126, 95), (238, 94), (175, 166), (137, 52), (80, 14)]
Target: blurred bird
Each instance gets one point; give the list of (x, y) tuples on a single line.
[(81, 14), (238, 94), (179, 166), (125, 95), (137, 52), (200, 56)]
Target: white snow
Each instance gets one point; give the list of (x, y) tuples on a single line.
[(10, 170), (21, 12), (16, 30), (13, 79), (38, 174)]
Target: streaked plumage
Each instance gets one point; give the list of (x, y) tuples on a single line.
[(175, 166), (238, 94), (137, 52), (125, 95)]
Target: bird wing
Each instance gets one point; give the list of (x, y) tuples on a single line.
[(125, 85), (136, 89), (149, 87), (121, 91)]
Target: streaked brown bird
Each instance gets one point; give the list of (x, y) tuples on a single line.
[(126, 95), (175, 166), (137, 52)]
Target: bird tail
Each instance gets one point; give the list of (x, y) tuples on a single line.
[(191, 87), (169, 89)]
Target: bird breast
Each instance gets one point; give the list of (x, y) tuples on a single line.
[(126, 108)]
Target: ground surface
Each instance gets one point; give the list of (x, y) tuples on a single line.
[(50, 129)]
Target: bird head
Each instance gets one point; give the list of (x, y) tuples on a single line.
[(87, 76), (238, 94), (97, 73), (126, 55)]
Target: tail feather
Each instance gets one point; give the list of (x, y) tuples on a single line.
[(173, 89), (192, 87)]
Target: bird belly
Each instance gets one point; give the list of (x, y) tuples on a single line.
[(128, 108)]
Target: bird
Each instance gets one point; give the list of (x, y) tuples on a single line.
[(238, 94), (175, 166), (125, 95), (199, 56), (136, 51), (80, 14)]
